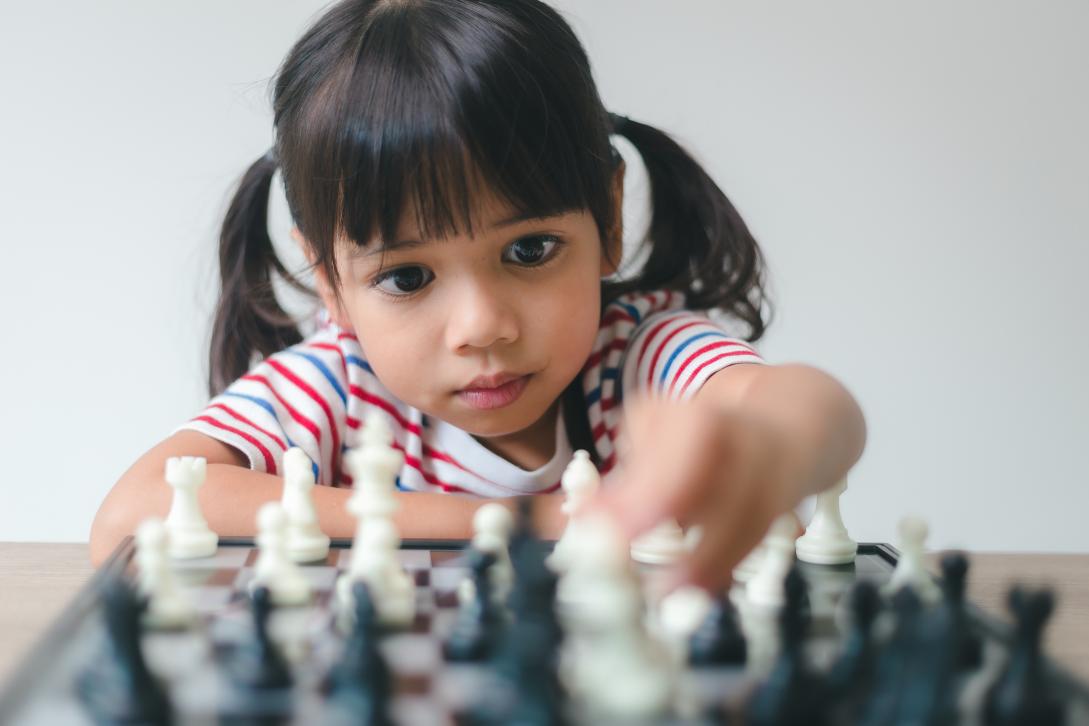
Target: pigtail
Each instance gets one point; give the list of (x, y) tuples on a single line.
[(248, 318), (698, 242)]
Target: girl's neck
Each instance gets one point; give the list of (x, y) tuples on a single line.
[(532, 447)]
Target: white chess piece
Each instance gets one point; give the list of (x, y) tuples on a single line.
[(580, 482), (612, 662), (374, 465), (189, 535), (377, 564), (305, 540), (765, 587), (492, 524), (274, 569), (167, 604), (662, 545), (911, 568), (826, 541)]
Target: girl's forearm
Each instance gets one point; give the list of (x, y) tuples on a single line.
[(818, 415)]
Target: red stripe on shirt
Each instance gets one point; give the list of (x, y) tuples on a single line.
[(593, 360), (243, 419), (318, 399), (662, 347), (270, 463), (706, 363)]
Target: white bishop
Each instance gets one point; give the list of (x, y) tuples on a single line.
[(305, 540)]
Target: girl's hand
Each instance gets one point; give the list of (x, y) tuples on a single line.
[(702, 464)]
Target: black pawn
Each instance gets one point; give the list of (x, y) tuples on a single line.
[(260, 665), (718, 640), (882, 703), (791, 694), (851, 673), (1021, 696), (360, 686), (969, 644), (122, 689), (476, 629)]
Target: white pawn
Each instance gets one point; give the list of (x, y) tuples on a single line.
[(167, 604), (189, 535), (765, 588), (305, 540), (376, 563), (274, 569), (492, 524), (662, 545), (826, 541), (580, 483), (911, 568)]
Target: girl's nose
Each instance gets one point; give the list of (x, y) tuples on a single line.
[(479, 317)]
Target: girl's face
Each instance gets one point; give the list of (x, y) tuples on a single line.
[(519, 299)]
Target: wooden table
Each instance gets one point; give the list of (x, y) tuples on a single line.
[(38, 580)]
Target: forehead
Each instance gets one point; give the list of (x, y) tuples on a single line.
[(490, 214)]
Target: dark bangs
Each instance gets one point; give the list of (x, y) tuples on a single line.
[(438, 104)]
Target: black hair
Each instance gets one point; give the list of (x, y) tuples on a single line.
[(385, 103)]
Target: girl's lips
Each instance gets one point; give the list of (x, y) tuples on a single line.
[(485, 398)]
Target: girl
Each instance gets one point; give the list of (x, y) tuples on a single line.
[(450, 176)]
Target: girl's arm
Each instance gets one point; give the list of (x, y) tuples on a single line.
[(232, 493)]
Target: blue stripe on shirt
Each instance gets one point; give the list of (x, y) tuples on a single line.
[(682, 346), (320, 365)]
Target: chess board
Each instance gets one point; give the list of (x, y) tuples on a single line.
[(427, 689)]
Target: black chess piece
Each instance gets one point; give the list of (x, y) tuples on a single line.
[(359, 687), (791, 694), (893, 661), (260, 691), (969, 644), (120, 688), (851, 672), (1022, 696), (259, 664), (476, 629), (718, 640)]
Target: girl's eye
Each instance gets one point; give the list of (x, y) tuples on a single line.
[(531, 251), (406, 280)]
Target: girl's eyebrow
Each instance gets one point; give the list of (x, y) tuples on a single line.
[(408, 244)]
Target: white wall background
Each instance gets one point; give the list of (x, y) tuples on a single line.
[(918, 175)]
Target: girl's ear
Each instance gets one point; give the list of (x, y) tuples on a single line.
[(325, 290), (614, 245)]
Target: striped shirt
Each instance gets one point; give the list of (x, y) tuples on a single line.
[(316, 394)]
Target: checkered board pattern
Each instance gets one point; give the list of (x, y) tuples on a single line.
[(427, 690)]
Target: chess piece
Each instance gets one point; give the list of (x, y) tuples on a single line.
[(120, 688), (305, 540), (851, 672), (274, 569), (189, 535), (765, 588), (719, 639), (374, 466), (1022, 695), (826, 541), (168, 606), (375, 562), (911, 568), (790, 695), (661, 545), (477, 627), (359, 686), (492, 525), (968, 643), (615, 666), (580, 482)]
